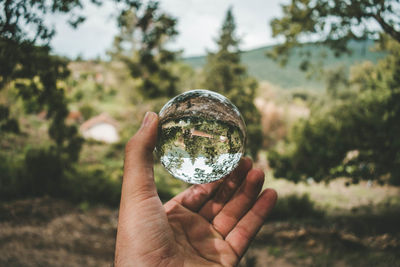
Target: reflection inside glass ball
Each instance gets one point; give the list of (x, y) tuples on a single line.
[(201, 136)]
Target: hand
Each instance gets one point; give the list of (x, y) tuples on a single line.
[(210, 224)]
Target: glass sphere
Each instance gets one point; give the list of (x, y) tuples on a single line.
[(201, 136)]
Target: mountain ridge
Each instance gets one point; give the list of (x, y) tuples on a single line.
[(291, 77)]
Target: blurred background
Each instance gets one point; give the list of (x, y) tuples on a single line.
[(318, 83)]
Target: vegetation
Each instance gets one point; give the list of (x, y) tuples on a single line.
[(334, 23), (360, 119), (225, 74), (36, 81), (351, 133), (291, 77), (147, 58), (319, 136)]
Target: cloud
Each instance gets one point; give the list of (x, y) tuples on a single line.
[(198, 24)]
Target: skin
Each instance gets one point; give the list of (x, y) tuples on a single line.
[(206, 225)]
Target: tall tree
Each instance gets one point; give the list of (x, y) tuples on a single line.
[(141, 45), (28, 65), (32, 70), (225, 74), (334, 22), (353, 134)]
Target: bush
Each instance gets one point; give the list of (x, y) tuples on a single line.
[(39, 172), (87, 111), (44, 172), (93, 186), (9, 170), (362, 120), (296, 207), (78, 96)]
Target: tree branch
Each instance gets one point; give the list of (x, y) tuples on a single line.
[(387, 27)]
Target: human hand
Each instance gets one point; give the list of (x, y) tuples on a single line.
[(208, 224)]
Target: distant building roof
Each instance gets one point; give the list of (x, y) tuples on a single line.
[(102, 118), (101, 128), (75, 116)]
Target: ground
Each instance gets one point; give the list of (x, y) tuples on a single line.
[(51, 232)]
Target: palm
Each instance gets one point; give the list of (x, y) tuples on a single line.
[(212, 223), (196, 239)]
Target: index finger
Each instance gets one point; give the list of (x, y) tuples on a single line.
[(245, 230), (197, 195)]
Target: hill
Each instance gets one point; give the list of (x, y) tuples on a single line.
[(291, 77)]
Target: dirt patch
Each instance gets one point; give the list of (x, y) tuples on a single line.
[(50, 232)]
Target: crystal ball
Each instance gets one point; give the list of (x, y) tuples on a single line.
[(201, 136)]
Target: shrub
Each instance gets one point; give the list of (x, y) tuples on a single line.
[(45, 172), (87, 111), (9, 170), (295, 207), (92, 186), (42, 174)]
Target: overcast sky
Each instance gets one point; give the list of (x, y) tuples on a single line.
[(198, 25)]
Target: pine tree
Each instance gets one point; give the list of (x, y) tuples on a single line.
[(225, 74)]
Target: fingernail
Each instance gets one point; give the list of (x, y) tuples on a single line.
[(148, 118)]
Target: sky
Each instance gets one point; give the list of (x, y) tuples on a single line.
[(199, 22)]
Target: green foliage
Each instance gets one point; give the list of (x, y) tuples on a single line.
[(39, 173), (87, 111), (144, 31), (354, 136), (334, 23), (34, 75), (188, 77), (33, 71), (295, 207), (92, 185), (225, 74), (10, 170), (43, 172), (7, 123), (353, 132), (336, 79)]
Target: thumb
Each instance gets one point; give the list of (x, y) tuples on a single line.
[(138, 167), (142, 223)]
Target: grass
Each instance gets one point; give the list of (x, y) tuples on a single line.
[(368, 239), (336, 196)]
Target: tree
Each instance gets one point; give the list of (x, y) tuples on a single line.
[(354, 134), (33, 71), (225, 74), (28, 65), (144, 32), (333, 22)]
